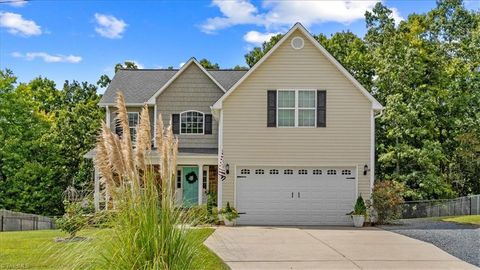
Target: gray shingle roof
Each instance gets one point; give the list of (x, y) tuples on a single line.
[(141, 84)]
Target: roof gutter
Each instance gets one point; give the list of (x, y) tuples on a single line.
[(102, 104)]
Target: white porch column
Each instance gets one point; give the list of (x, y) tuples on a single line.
[(200, 183), (96, 194)]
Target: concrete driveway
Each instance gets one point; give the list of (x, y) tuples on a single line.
[(326, 248)]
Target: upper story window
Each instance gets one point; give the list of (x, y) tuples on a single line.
[(191, 122), (133, 120), (296, 108)]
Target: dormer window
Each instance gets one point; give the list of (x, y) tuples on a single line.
[(192, 122)]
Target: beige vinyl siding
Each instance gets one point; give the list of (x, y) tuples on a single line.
[(344, 142), (192, 90)]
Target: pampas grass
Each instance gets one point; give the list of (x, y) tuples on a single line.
[(149, 231)]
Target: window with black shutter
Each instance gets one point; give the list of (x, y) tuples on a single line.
[(271, 108), (321, 108), (133, 119), (176, 123), (208, 124)]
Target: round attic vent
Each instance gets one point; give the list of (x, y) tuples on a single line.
[(297, 43)]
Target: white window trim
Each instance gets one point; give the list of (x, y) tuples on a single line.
[(135, 127), (206, 172), (203, 117), (297, 108)]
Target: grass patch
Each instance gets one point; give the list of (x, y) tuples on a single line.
[(473, 219), (37, 250)]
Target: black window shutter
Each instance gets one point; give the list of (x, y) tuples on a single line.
[(118, 127), (272, 108), (321, 108), (176, 123), (208, 124)]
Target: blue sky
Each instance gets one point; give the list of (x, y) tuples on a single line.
[(81, 40)]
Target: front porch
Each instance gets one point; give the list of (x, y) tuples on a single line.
[(197, 176)]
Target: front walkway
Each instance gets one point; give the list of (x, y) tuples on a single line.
[(326, 248)]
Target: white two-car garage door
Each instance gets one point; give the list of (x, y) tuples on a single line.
[(295, 196)]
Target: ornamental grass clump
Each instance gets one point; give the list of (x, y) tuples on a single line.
[(149, 231)]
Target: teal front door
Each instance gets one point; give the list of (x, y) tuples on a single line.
[(190, 186)]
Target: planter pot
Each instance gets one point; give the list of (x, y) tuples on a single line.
[(228, 222), (358, 220)]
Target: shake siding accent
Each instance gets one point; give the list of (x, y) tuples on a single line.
[(345, 141), (192, 90)]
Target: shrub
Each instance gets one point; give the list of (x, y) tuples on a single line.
[(200, 215), (229, 213), (387, 197), (211, 201), (73, 220), (360, 208)]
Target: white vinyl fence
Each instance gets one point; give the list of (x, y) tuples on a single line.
[(16, 221), (469, 205)]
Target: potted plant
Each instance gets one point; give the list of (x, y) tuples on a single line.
[(359, 212), (229, 215)]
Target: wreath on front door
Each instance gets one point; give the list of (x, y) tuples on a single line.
[(191, 177)]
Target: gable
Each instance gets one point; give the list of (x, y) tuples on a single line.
[(298, 67), (192, 84), (186, 66)]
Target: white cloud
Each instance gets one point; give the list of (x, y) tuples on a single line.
[(18, 3), (181, 64), (257, 38), (234, 12), (396, 16), (108, 26), (281, 14), (17, 25), (49, 58)]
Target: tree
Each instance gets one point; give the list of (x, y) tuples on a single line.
[(426, 77), (209, 65), (104, 80), (28, 158), (75, 128), (258, 52), (44, 133), (352, 52), (238, 67)]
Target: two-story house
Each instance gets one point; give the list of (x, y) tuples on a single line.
[(296, 132)]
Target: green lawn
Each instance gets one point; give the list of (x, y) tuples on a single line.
[(473, 219), (37, 250)]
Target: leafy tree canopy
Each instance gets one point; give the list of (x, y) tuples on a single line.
[(44, 133), (208, 65)]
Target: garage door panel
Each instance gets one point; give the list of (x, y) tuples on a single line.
[(318, 199)]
